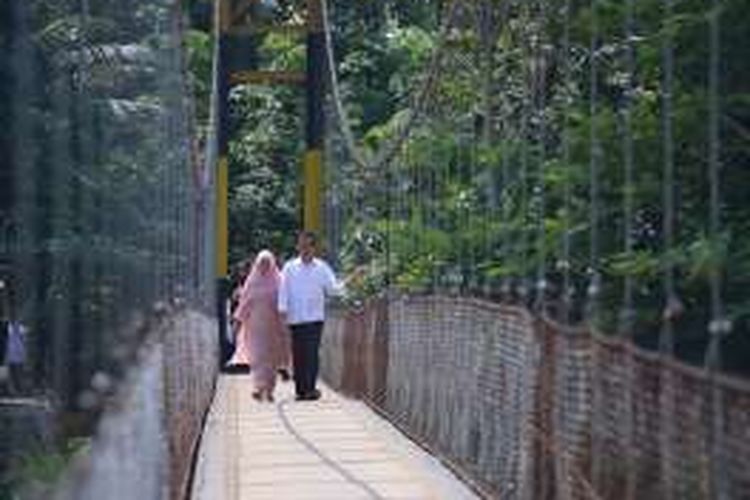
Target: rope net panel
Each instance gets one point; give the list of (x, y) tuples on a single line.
[(447, 372), (506, 399)]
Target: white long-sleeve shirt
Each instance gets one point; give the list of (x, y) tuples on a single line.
[(304, 288)]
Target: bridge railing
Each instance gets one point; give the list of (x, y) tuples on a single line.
[(146, 441), (525, 408), (105, 219)]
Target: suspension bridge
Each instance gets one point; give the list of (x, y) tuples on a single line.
[(551, 219)]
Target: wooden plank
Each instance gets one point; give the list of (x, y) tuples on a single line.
[(288, 29), (267, 77)]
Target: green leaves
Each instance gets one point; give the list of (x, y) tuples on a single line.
[(706, 256), (494, 178)]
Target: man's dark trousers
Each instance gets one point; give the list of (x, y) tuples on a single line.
[(305, 355)]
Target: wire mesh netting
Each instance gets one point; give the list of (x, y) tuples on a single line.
[(509, 401), (104, 209), (579, 160)]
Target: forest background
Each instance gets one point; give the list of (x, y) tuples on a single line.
[(493, 182)]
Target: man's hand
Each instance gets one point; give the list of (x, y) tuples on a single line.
[(358, 272)]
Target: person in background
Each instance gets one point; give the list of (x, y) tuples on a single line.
[(305, 282), (285, 357), (260, 334), (239, 358), (15, 351)]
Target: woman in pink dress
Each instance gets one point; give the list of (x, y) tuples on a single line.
[(241, 355), (260, 325)]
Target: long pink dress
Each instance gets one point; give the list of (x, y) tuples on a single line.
[(261, 327), (241, 355)]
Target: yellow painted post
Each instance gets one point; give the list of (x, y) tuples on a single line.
[(313, 190), (222, 217), (223, 15), (222, 23)]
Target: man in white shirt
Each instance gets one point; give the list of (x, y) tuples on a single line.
[(305, 282)]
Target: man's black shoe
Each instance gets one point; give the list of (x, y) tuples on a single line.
[(236, 369), (310, 396)]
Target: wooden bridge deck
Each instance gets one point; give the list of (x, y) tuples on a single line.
[(334, 448)]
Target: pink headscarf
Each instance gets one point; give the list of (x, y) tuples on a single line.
[(258, 279)]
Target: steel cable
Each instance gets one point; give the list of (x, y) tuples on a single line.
[(420, 99)]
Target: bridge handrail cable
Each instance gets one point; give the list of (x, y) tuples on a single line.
[(421, 95)]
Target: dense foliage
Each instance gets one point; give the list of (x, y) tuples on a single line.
[(475, 199)]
